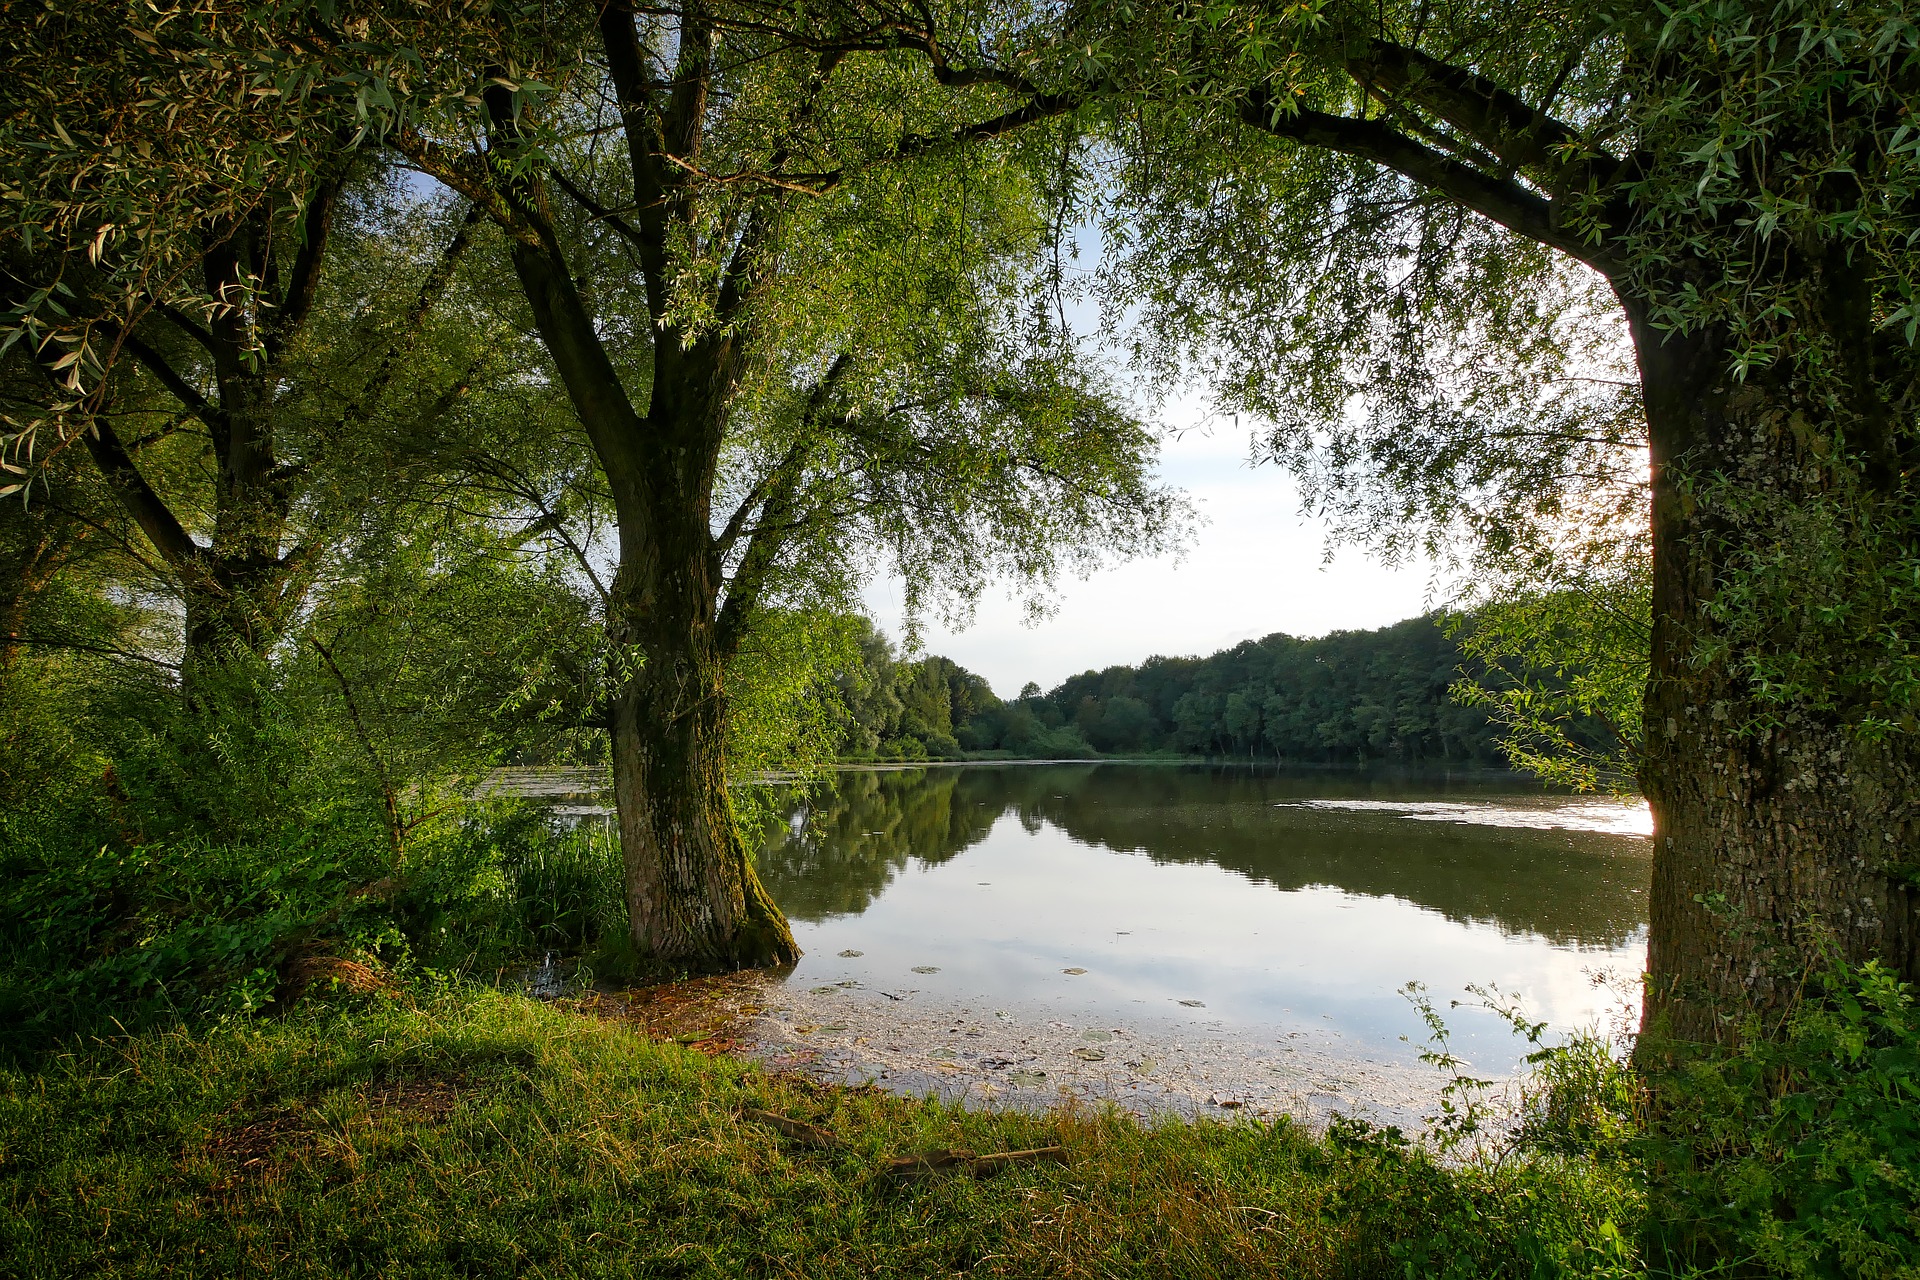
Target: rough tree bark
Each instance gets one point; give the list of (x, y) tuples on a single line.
[(1776, 843), (693, 896)]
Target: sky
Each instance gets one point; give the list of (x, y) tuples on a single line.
[(1253, 567)]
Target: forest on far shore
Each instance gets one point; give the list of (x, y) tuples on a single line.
[(1350, 696)]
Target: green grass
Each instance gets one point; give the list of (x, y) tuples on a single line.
[(478, 1134)]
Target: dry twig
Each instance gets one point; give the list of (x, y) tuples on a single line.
[(968, 1161), (799, 1130)]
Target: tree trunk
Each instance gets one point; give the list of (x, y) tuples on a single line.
[(694, 899), (235, 591), (1779, 832)]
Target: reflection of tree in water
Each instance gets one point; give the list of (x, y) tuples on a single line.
[(844, 846), (1569, 886)]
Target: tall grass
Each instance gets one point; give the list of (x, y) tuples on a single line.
[(565, 883), (101, 933)]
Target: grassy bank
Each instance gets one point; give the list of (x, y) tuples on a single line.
[(478, 1134)]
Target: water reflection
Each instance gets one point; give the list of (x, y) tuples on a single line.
[(1575, 879), (1231, 925), (842, 849)]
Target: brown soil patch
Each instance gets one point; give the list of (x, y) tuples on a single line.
[(260, 1149), (324, 973), (416, 1097), (705, 1014)]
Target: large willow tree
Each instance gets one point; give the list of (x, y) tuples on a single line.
[(760, 289), (785, 379)]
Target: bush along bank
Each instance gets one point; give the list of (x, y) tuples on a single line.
[(117, 936)]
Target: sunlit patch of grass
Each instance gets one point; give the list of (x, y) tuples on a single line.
[(475, 1133)]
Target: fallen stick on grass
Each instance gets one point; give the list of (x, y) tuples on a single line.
[(970, 1162), (798, 1130)]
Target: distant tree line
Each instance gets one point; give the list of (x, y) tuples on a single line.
[(900, 710), (1351, 696)]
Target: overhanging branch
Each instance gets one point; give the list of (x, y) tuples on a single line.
[(303, 282), (1499, 199), (163, 529), (1486, 111), (182, 390)]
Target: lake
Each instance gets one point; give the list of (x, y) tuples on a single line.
[(1186, 936)]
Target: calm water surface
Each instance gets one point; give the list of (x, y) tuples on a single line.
[(1236, 905)]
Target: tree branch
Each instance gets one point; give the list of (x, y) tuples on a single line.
[(173, 424), (633, 94), (182, 390), (185, 323), (163, 529), (304, 279), (683, 127), (551, 519), (396, 832), (774, 494), (736, 283), (79, 647), (1039, 107), (572, 339), (432, 289), (599, 211), (465, 174), (1494, 116), (1502, 200), (737, 522)]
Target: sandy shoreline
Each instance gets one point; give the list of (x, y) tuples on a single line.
[(918, 1045)]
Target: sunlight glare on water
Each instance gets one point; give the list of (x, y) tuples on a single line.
[(1618, 817)]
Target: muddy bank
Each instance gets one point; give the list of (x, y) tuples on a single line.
[(917, 1045)]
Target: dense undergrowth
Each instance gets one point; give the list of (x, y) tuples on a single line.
[(128, 935), (161, 863)]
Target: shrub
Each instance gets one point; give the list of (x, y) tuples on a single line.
[(1794, 1153), (1798, 1154), (129, 933)]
